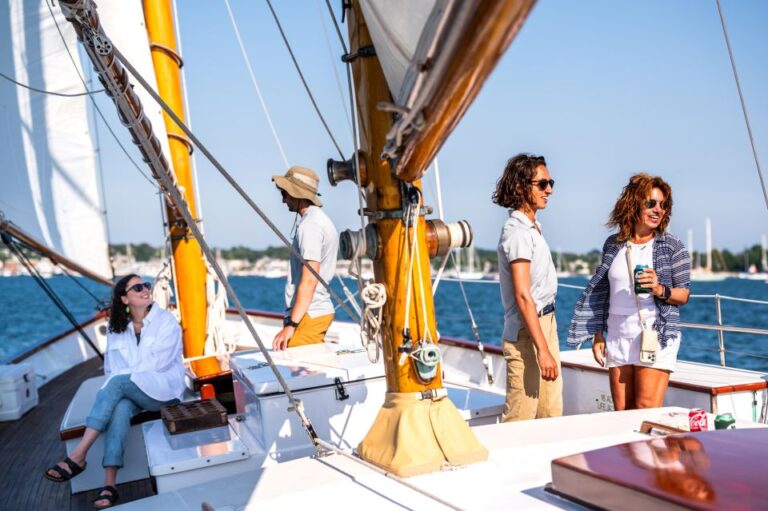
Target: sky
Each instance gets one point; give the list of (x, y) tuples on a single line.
[(602, 89)]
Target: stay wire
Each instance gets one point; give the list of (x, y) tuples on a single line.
[(303, 80), (50, 93), (48, 290), (227, 176), (99, 301), (256, 84), (743, 104), (95, 105)]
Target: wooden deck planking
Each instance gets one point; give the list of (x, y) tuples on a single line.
[(29, 445)]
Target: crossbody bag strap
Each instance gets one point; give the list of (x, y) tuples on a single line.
[(632, 287)]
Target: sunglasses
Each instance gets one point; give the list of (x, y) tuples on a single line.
[(651, 203), (543, 183), (138, 288)]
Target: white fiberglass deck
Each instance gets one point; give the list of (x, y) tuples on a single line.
[(513, 477)]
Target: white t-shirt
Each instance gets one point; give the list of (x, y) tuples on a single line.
[(316, 240), (520, 239), (622, 298)]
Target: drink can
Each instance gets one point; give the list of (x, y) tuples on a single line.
[(725, 421), (639, 289), (697, 420)]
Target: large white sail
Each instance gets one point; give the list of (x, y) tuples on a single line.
[(48, 178)]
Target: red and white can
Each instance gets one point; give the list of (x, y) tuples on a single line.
[(697, 420)]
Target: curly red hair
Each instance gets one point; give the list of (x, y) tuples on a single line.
[(630, 204)]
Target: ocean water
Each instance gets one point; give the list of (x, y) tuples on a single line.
[(28, 316)]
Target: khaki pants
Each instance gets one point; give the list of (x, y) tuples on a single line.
[(311, 330), (528, 396)]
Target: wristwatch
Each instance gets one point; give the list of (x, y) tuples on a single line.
[(287, 321), (667, 293)]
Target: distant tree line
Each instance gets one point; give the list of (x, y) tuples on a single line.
[(722, 260)]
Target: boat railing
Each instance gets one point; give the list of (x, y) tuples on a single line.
[(720, 327)]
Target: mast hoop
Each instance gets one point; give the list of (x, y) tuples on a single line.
[(184, 140), (168, 51)]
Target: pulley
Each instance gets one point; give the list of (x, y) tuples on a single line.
[(443, 237), (351, 244), (339, 171)]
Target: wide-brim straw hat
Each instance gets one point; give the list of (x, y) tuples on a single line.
[(300, 183)]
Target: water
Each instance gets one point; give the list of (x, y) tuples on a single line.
[(29, 317)]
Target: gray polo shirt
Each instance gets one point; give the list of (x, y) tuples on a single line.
[(316, 240), (520, 239)]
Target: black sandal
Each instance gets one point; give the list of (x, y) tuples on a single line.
[(110, 497), (64, 475)]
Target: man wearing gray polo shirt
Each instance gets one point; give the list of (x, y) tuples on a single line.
[(528, 288), (308, 307)]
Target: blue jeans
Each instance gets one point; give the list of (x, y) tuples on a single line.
[(111, 414)]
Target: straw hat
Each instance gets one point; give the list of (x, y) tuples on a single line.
[(300, 183)]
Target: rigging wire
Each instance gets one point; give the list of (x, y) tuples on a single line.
[(743, 104), (14, 247), (303, 80), (99, 302), (226, 175), (51, 93), (256, 84), (333, 66), (96, 106)]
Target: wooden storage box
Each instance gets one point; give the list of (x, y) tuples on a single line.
[(193, 416)]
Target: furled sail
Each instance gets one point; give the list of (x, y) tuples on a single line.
[(48, 178), (396, 26)]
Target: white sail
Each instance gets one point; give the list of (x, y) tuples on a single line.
[(48, 178), (396, 27)]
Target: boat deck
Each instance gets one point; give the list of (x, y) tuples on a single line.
[(29, 445)]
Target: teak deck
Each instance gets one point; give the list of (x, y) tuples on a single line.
[(31, 444)]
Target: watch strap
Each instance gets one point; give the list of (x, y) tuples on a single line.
[(287, 321)]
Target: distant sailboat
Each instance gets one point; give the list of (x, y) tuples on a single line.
[(752, 272), (470, 271), (706, 274)]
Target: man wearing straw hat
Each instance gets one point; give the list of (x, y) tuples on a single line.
[(308, 307)]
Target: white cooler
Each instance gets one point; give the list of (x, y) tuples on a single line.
[(18, 391)]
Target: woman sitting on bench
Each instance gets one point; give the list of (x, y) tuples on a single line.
[(144, 369)]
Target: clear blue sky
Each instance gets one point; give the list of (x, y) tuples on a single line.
[(601, 88)]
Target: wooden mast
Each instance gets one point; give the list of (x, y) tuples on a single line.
[(403, 439), (384, 194), (188, 260)]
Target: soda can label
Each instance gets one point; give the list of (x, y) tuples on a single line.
[(725, 421), (639, 289), (697, 420)]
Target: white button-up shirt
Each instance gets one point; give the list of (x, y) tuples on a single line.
[(155, 364)]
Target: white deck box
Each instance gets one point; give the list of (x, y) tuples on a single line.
[(18, 391)]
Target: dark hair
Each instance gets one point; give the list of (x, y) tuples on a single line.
[(118, 317), (630, 204), (513, 189)]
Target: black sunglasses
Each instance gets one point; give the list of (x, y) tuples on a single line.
[(543, 183), (651, 203), (139, 287)]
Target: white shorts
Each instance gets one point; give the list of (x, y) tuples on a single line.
[(622, 344)]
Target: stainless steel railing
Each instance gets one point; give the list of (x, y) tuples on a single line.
[(718, 327)]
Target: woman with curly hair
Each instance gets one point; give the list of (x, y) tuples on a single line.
[(528, 284), (145, 371), (619, 302)]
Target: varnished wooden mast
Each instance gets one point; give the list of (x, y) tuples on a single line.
[(188, 260), (384, 194)]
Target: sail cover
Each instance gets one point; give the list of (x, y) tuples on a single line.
[(396, 26), (48, 178)]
